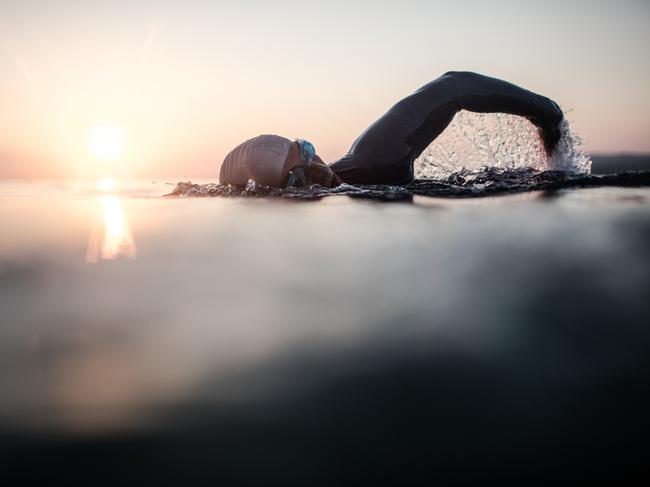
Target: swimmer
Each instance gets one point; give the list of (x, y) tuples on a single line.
[(385, 151)]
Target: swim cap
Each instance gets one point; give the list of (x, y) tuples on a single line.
[(260, 159)]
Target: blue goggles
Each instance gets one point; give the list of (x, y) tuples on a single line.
[(307, 151)]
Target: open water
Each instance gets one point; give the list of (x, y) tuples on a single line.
[(491, 325)]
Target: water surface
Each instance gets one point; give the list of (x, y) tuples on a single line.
[(425, 337)]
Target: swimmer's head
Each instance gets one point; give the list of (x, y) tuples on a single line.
[(275, 161), (261, 159)]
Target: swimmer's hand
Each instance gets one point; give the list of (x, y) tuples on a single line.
[(550, 132), (550, 137)]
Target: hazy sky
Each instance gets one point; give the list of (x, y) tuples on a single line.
[(187, 80)]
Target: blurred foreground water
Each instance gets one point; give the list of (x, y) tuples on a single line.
[(341, 341)]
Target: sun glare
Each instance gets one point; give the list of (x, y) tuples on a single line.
[(106, 143), (117, 239), (105, 185)]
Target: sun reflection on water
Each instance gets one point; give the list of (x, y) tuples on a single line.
[(117, 239)]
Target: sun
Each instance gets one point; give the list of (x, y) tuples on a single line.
[(106, 142)]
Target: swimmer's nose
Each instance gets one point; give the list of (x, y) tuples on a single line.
[(297, 178)]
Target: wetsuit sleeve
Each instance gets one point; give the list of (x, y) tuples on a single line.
[(477, 93), (385, 151)]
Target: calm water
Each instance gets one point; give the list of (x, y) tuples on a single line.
[(323, 340)]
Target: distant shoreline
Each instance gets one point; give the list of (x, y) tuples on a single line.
[(614, 163)]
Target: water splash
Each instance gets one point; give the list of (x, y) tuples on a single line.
[(568, 156), (475, 141)]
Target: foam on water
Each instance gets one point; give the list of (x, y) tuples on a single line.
[(461, 184), (475, 141)]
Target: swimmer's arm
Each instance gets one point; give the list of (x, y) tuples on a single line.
[(477, 93)]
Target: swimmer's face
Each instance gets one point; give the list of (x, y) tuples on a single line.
[(316, 172)]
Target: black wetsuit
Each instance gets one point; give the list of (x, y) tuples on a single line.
[(385, 151)]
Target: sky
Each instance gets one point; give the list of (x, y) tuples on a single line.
[(167, 88)]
